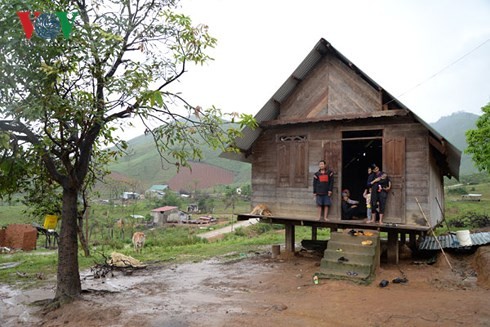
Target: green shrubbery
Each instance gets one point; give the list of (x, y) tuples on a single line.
[(457, 191), (471, 220)]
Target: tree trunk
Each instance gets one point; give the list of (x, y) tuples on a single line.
[(81, 236), (68, 280)]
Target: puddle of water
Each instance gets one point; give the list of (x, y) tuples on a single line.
[(192, 294), (14, 305)]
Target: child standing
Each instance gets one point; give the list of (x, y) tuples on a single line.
[(367, 196)]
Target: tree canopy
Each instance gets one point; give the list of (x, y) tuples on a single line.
[(74, 72), (479, 141)]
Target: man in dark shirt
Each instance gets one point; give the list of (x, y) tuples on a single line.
[(380, 185), (322, 189)]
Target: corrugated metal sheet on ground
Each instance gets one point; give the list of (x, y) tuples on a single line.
[(451, 241)]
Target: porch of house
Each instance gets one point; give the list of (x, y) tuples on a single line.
[(397, 233)]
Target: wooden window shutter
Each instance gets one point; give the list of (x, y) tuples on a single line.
[(292, 161), (300, 156), (283, 163)]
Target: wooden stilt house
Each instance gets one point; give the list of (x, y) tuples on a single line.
[(329, 109)]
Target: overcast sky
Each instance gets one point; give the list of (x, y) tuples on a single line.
[(400, 44), (433, 56)]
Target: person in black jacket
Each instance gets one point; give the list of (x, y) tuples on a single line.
[(380, 186), (322, 189)]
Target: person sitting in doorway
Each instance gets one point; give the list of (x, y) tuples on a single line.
[(350, 208)]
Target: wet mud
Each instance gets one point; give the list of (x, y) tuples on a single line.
[(257, 290)]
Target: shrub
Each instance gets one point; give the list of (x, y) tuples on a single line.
[(471, 219), (457, 190)]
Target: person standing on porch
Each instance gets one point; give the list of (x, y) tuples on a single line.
[(380, 186), (367, 196), (372, 202), (322, 189)]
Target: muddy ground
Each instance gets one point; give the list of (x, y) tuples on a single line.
[(256, 290)]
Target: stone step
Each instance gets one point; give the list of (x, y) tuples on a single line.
[(353, 257), (346, 265), (337, 273), (362, 259), (347, 237), (351, 247)]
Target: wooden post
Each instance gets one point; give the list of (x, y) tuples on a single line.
[(314, 233), (392, 247), (276, 251), (403, 238), (290, 238), (412, 240)]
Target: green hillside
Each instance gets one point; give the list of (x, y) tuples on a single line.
[(142, 162)]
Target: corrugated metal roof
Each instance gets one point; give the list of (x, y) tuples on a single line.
[(270, 110), (164, 209), (450, 241)]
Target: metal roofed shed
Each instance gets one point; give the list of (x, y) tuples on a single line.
[(471, 197), (451, 241)]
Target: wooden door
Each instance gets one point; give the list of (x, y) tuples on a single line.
[(394, 166)]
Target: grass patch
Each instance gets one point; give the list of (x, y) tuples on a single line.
[(468, 214)]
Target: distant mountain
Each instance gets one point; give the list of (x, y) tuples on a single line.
[(453, 128)]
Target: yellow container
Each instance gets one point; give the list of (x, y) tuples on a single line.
[(50, 221)]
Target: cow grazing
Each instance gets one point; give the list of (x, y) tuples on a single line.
[(138, 241)]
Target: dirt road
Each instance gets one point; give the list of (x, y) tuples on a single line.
[(214, 234), (260, 291)]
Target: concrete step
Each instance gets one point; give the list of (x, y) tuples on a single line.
[(344, 267), (347, 237), (362, 258), (353, 257), (352, 247), (335, 273)]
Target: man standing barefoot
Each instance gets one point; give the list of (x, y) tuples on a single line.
[(322, 189)]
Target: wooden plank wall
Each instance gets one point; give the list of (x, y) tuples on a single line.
[(421, 173), (309, 99), (349, 93), (436, 184), (331, 88), (290, 201)]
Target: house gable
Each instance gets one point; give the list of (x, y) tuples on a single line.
[(332, 88)]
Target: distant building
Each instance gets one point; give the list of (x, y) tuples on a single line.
[(165, 214), (130, 195), (156, 191)]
